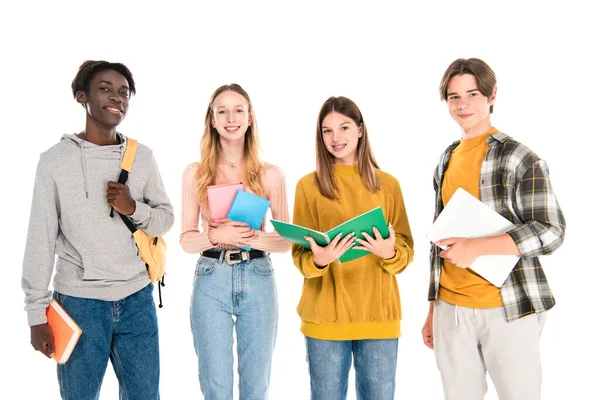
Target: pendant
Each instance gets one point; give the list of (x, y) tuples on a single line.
[(232, 165)]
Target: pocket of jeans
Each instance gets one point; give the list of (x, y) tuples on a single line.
[(205, 266), (262, 266)]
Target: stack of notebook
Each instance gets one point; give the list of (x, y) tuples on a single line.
[(233, 202)]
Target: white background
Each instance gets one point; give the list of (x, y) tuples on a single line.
[(290, 57)]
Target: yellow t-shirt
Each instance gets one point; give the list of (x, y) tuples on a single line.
[(358, 299), (462, 286)]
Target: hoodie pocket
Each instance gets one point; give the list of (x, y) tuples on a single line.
[(105, 266)]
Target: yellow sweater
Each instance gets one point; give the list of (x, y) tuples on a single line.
[(358, 299)]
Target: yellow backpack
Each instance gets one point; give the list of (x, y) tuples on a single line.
[(152, 250)]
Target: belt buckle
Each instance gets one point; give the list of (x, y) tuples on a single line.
[(244, 255), (228, 259)]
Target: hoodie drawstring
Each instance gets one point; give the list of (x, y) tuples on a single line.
[(456, 317), (85, 180)]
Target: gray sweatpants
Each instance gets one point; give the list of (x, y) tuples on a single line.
[(470, 341)]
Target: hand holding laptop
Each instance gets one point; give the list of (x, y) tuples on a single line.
[(461, 252), (466, 217)]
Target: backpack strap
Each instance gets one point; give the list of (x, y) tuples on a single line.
[(129, 224), (129, 156), (126, 164)]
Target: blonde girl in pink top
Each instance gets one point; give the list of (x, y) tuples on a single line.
[(230, 281)]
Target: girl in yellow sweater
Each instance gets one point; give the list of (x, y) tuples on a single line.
[(350, 310)]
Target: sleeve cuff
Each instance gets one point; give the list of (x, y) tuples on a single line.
[(312, 271), (520, 233), (36, 317), (141, 213), (399, 262), (526, 240), (392, 260)]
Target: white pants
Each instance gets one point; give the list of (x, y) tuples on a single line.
[(470, 341)]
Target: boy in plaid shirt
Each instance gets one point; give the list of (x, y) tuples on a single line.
[(477, 326)]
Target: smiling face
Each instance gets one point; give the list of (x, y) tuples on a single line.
[(107, 100), (231, 116), (340, 135), (468, 106)]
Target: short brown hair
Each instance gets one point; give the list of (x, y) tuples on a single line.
[(484, 76)]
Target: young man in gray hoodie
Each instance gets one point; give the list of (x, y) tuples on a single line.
[(99, 278)]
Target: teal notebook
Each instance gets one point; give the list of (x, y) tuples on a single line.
[(249, 208), (362, 223)]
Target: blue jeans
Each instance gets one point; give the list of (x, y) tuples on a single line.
[(374, 364), (246, 291), (126, 331)]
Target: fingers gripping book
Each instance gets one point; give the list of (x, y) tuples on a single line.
[(359, 224), (231, 201), (65, 331)]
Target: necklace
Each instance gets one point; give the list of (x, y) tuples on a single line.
[(232, 164)]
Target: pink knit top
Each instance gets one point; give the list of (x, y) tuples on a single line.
[(195, 240)]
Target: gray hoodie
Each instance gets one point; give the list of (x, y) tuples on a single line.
[(96, 256)]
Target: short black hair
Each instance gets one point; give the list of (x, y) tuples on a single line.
[(90, 68)]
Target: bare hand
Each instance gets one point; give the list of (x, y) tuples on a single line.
[(42, 339), (462, 252), (117, 195), (427, 331), (226, 231), (383, 248), (323, 256)]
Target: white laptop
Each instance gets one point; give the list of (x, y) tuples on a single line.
[(465, 216)]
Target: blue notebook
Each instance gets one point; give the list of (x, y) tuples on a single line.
[(249, 208)]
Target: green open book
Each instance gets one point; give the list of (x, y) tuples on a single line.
[(362, 223)]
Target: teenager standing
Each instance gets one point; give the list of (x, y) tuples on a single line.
[(472, 325), (233, 288), (99, 278), (350, 311)]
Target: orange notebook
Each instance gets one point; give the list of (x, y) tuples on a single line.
[(220, 198), (65, 331)]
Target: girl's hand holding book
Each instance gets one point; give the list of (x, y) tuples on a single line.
[(227, 231), (323, 256), (376, 244)]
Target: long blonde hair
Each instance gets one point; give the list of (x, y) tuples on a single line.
[(210, 149), (325, 160)]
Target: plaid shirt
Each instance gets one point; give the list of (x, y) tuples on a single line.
[(514, 182)]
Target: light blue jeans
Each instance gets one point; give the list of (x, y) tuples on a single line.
[(126, 331), (374, 365), (246, 291)]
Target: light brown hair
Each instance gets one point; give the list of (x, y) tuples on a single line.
[(210, 149), (484, 76), (325, 160)]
